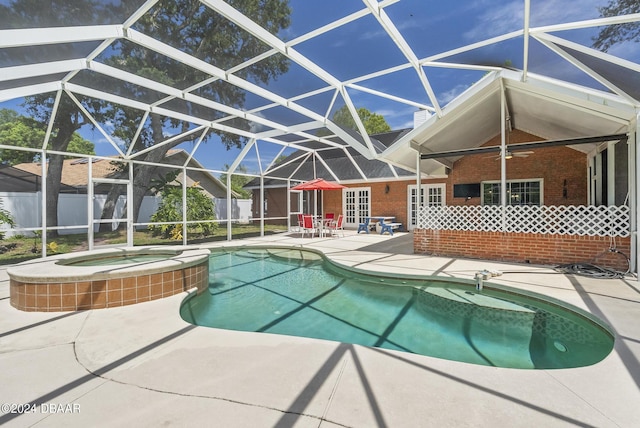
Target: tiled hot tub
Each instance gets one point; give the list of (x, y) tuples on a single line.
[(106, 278)]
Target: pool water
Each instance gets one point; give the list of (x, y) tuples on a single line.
[(299, 293)]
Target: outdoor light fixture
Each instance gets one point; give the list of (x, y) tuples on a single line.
[(508, 154)]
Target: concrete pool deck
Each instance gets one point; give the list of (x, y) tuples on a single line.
[(143, 365)]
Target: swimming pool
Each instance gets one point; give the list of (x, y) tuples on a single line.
[(300, 293)]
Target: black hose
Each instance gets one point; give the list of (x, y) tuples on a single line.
[(587, 269), (593, 271)]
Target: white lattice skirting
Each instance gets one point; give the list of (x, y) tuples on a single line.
[(563, 220)]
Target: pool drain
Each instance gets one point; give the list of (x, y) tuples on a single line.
[(559, 346)]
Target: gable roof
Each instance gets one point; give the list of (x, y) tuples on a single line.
[(549, 108), (19, 180), (335, 164), (328, 50)]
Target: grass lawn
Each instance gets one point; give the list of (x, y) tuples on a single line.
[(18, 249)]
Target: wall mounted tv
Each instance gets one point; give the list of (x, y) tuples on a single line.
[(470, 190)]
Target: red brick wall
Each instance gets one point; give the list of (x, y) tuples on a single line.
[(388, 203), (522, 247), (553, 164)]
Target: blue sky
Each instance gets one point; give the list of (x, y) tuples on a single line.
[(429, 27)]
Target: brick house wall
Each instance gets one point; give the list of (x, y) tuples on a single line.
[(387, 201), (564, 174), (561, 168), (522, 247)]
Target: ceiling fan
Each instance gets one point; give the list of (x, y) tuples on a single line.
[(509, 154)]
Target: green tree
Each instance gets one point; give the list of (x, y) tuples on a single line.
[(25, 132), (613, 34), (69, 119), (199, 207), (194, 29), (238, 181), (374, 123), (187, 25), (22, 132)]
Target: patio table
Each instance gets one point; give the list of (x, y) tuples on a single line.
[(380, 219), (321, 224)]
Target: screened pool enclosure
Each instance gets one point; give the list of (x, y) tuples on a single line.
[(151, 115)]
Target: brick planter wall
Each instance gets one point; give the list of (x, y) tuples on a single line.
[(522, 247)]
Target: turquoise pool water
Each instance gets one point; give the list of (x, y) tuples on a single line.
[(298, 293)]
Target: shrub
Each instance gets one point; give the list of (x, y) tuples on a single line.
[(5, 218), (199, 207)]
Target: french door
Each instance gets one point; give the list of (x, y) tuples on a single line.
[(431, 195), (356, 205)]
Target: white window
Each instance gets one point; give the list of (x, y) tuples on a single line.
[(519, 192)]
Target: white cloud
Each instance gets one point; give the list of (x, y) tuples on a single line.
[(452, 94), (496, 19), (547, 12)]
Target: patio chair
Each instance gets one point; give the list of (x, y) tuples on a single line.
[(299, 223), (335, 226), (364, 226), (307, 225), (329, 216)]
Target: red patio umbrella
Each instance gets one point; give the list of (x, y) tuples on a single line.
[(318, 184)]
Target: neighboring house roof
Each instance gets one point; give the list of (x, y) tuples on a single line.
[(17, 180), (75, 172), (336, 164)]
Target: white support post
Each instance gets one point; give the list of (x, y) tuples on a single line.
[(611, 173), (261, 205), (43, 173), (130, 218), (184, 206), (288, 204), (632, 169), (90, 234), (418, 189), (503, 159), (229, 210), (633, 138)]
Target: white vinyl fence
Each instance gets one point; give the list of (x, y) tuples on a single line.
[(563, 220), (26, 209)]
